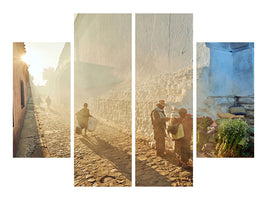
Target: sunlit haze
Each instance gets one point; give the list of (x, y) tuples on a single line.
[(39, 56)]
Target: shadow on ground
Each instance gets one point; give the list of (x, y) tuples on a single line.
[(29, 142), (105, 150), (146, 176)]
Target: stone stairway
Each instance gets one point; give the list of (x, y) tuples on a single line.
[(248, 103)]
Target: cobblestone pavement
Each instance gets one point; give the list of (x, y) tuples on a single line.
[(102, 157), (54, 130), (152, 170)]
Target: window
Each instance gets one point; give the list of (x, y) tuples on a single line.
[(22, 94)]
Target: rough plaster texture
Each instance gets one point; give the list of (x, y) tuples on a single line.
[(175, 88), (203, 55), (164, 53)]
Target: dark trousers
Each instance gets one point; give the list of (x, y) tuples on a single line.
[(160, 146), (159, 136)]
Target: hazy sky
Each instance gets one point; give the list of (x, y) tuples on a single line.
[(40, 56)]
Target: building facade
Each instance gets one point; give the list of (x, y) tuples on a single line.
[(62, 78), (21, 91)]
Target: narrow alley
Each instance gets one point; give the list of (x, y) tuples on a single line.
[(45, 133)]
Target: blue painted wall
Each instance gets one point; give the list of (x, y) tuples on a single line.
[(231, 69), (243, 62)]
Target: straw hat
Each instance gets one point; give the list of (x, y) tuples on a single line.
[(162, 102)]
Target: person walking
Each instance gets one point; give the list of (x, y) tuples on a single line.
[(159, 119), (83, 117), (48, 101)]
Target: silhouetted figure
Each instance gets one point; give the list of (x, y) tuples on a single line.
[(182, 146), (48, 102), (159, 119), (83, 117)]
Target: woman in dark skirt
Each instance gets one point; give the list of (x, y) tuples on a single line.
[(182, 146)]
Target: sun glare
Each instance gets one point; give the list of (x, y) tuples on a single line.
[(25, 58)]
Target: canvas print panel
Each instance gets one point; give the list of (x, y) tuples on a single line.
[(41, 99), (164, 99), (102, 100), (225, 99)]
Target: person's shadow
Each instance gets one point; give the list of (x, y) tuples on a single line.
[(146, 176), (121, 159)]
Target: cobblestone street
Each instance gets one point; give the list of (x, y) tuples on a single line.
[(54, 130), (102, 158), (152, 170)]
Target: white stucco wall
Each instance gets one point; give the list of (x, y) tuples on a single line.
[(203, 55), (104, 39), (164, 66), (164, 43), (102, 69)]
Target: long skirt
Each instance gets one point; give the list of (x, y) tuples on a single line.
[(83, 123), (182, 148)]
